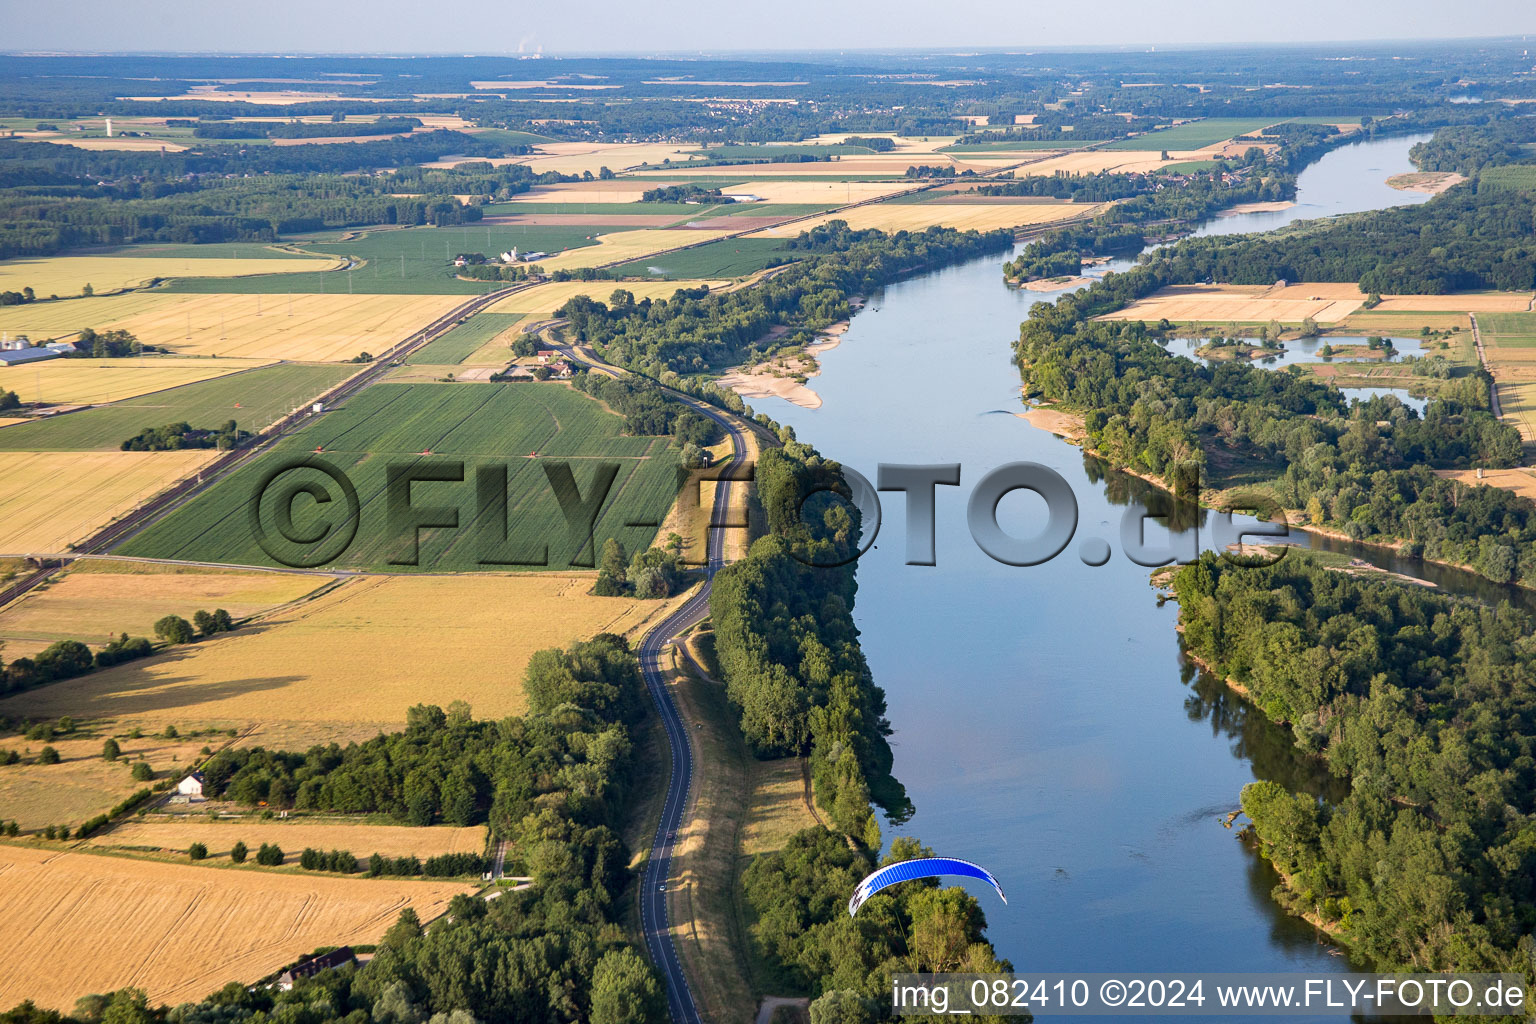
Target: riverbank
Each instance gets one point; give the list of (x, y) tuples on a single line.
[(784, 376), (1070, 426), (1429, 182)]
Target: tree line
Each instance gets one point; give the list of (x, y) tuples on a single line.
[(1423, 702), (697, 329), (1366, 471)]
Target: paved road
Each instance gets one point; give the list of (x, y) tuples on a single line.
[(654, 918)]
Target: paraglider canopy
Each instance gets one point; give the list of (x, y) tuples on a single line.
[(923, 867)]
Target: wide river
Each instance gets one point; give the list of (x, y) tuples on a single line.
[(1045, 724)]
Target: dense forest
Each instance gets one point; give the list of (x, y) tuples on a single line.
[(1425, 704), (86, 198), (698, 329)]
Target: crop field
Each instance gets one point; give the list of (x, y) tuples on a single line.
[(1520, 481), (352, 661), (478, 332), (893, 217), (621, 204), (521, 427), (729, 257), (317, 328), (541, 301), (1195, 134), (1461, 302), (99, 381), (408, 261), (630, 245), (166, 832), (50, 500), (68, 275), (1219, 303), (253, 399), (1514, 176), (192, 928), (770, 151), (576, 157), (97, 599), (46, 321), (1510, 341), (84, 784)]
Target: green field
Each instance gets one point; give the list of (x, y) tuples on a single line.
[(1521, 177), (1187, 167), (728, 257), (482, 425), (406, 261), (1196, 134), (1517, 330), (252, 399), (597, 209), (459, 343), (187, 250), (1018, 145)]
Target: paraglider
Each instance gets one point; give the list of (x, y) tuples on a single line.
[(923, 867)]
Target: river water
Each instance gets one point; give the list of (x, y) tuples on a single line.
[(1046, 725)]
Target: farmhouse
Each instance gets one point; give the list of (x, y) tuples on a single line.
[(191, 787), (314, 965)]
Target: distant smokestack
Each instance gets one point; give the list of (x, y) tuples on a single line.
[(109, 127)]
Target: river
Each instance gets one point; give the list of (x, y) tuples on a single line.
[(1045, 723)]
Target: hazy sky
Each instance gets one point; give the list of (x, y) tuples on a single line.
[(565, 26)]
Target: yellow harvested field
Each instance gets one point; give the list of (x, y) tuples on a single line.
[(541, 301), (49, 500), (362, 653), (1520, 481), (917, 216), (99, 598), (95, 382), (175, 930), (68, 275), (118, 143), (1461, 302), (576, 157), (1517, 402), (47, 320), (83, 784), (165, 832), (1219, 303), (6, 421), (629, 245), (844, 167), (318, 328)]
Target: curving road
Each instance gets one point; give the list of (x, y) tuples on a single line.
[(654, 918)]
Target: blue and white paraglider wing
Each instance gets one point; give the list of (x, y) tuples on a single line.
[(925, 867)]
